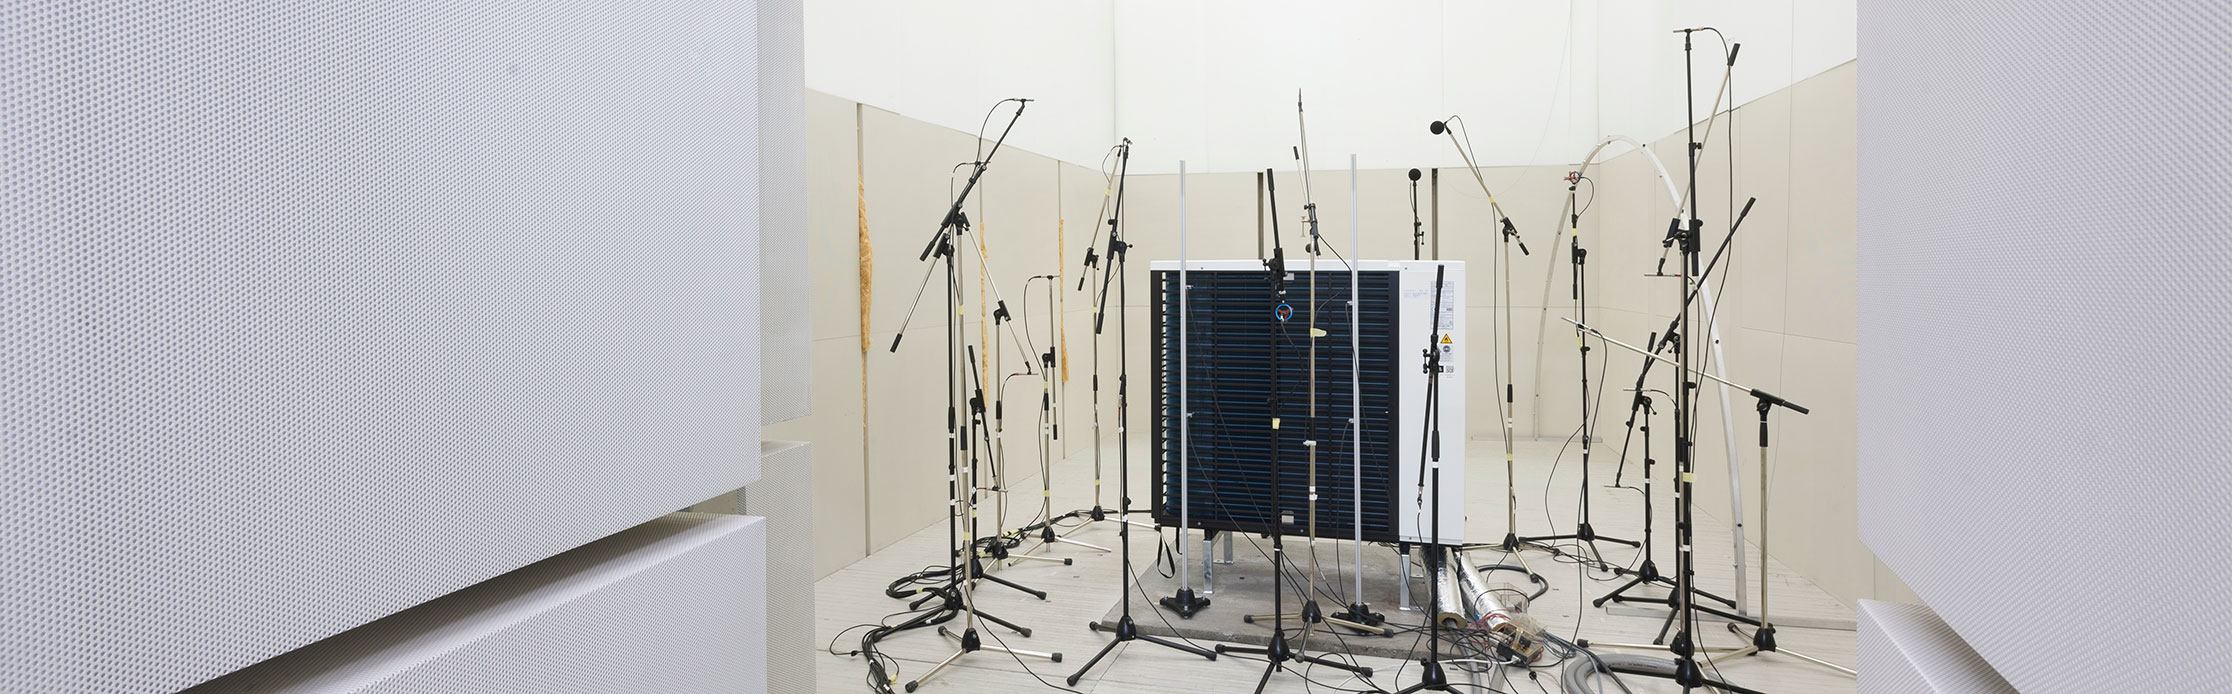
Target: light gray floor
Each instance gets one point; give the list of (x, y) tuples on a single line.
[(1083, 592)]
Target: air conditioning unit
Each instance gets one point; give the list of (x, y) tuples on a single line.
[(1241, 353)]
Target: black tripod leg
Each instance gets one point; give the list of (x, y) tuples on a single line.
[(1668, 624), (1040, 594), (1266, 680), (1358, 669), (1104, 651), (1002, 622), (1726, 687), (1615, 594), (1180, 646)]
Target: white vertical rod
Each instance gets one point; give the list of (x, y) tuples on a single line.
[(1185, 407), (1356, 402)]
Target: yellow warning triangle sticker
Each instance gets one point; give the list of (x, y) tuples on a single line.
[(1445, 339)]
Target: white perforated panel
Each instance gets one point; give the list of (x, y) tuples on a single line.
[(786, 371), (2043, 311), (311, 312), (1906, 649), (784, 495), (669, 606)]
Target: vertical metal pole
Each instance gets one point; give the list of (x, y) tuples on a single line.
[(1185, 407), (1356, 399)]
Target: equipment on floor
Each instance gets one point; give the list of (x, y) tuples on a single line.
[(1232, 331)]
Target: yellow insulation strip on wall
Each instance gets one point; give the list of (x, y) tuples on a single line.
[(867, 261)]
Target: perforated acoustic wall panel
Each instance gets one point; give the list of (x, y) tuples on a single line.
[(1906, 649), (310, 313), (670, 606), (786, 374), (2043, 310), (784, 495)]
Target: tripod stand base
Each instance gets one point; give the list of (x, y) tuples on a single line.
[(1763, 641), (1127, 630), (1360, 613), (1048, 539), (1430, 678), (1685, 673), (970, 644), (982, 576), (1185, 603), (1279, 654), (1648, 574)]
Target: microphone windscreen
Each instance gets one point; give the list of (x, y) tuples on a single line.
[(1414, 174), (1436, 128)]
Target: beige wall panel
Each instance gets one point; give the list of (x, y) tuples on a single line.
[(1763, 166), (1824, 192), (833, 219), (840, 478)]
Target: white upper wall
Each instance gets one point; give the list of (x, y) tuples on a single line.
[(947, 62), (1213, 82), (1639, 64)]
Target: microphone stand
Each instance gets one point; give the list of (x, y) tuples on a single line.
[(1431, 677), (1050, 436), (1684, 647), (1686, 672), (1583, 532), (1278, 653), (1647, 573), (1511, 541), (958, 595), (1311, 615), (1763, 638), (1112, 182), (1126, 629)]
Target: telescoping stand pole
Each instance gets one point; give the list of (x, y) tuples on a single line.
[(1185, 602), (1763, 638), (1431, 677), (1359, 611), (1126, 629)]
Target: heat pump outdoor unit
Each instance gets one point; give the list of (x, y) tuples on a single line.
[(1242, 353)]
